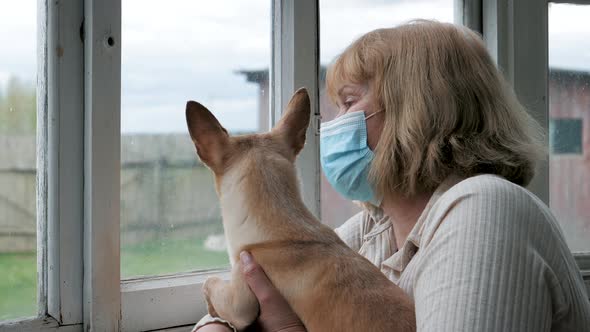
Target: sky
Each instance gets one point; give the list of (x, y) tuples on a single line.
[(191, 49)]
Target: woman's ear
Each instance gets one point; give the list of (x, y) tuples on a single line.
[(209, 137), (293, 125)]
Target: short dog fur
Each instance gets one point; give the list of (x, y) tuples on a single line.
[(328, 285)]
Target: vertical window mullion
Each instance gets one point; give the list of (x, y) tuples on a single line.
[(41, 142), (65, 161), (469, 14), (295, 64), (516, 35), (102, 103)]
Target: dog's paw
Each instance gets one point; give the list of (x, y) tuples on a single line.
[(208, 291), (211, 284), (211, 310)]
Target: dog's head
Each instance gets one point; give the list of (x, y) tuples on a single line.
[(262, 157)]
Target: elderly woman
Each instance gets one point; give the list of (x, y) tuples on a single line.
[(435, 144)]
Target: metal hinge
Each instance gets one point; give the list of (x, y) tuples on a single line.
[(318, 123)]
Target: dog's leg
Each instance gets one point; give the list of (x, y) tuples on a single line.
[(231, 300)]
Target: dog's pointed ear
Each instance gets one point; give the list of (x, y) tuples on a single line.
[(209, 137), (293, 125)]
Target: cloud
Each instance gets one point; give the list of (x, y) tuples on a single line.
[(341, 23), (188, 51), (195, 55), (569, 36), (237, 115), (18, 37)]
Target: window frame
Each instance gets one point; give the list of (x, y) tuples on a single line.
[(583, 259), (102, 145), (60, 173), (511, 30), (65, 156), (294, 63), (79, 156)]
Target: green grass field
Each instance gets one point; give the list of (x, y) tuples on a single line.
[(18, 285), (18, 272), (168, 256)]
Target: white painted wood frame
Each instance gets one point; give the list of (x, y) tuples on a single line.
[(295, 64), (102, 128), (41, 148), (60, 169), (65, 167), (46, 324), (164, 301)]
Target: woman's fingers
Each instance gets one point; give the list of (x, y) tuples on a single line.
[(259, 283), (276, 314)]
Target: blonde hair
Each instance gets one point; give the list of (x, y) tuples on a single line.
[(448, 110)]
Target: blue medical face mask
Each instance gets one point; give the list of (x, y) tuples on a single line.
[(346, 157)]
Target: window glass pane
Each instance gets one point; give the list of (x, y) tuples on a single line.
[(214, 52), (565, 136), (342, 22), (569, 125), (18, 220)]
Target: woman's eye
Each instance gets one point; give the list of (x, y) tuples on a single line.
[(348, 103)]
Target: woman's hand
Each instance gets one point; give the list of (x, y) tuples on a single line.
[(275, 313)]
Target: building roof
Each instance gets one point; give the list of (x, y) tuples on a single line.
[(261, 75)]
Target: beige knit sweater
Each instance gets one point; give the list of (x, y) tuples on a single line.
[(485, 255)]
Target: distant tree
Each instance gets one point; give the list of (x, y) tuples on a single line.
[(18, 108)]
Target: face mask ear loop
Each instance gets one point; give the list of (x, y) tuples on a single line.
[(368, 117)]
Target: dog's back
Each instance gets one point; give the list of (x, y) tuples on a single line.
[(333, 288)]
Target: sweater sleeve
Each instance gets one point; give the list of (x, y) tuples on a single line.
[(208, 319), (483, 271)]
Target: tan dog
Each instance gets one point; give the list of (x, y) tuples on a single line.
[(328, 285)]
